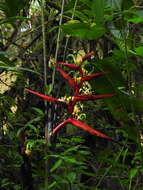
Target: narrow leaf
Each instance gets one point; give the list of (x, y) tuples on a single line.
[(56, 165), (13, 19), (133, 172), (5, 60), (9, 68)]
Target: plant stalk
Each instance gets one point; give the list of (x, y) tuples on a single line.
[(45, 85)]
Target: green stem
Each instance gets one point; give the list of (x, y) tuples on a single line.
[(58, 43), (130, 184), (108, 169), (45, 84), (67, 40)]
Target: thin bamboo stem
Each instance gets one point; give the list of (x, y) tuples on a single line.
[(58, 42), (67, 40), (45, 84)]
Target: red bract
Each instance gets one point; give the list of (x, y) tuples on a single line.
[(87, 56), (76, 97), (68, 78), (80, 125), (84, 78), (48, 98), (92, 97), (89, 77), (71, 66)]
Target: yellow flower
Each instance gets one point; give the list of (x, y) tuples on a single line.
[(78, 61), (78, 79), (75, 112), (66, 99), (28, 152), (85, 72)]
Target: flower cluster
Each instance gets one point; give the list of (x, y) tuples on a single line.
[(70, 102)]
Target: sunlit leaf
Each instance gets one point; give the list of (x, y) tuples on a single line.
[(98, 10), (83, 30), (133, 173), (56, 165), (139, 50)]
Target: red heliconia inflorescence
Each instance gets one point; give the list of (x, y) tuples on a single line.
[(76, 85)]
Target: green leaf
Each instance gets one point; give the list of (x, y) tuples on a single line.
[(139, 50), (87, 173), (52, 156), (135, 20), (71, 160), (5, 182), (13, 19), (87, 12), (79, 15), (53, 28), (133, 173), (30, 144), (33, 120), (127, 4), (77, 140), (19, 69), (137, 17), (5, 60), (71, 176), (48, 89), (12, 8), (32, 127), (124, 153), (86, 2), (98, 10), (20, 130), (139, 13), (39, 111), (122, 101), (83, 30), (74, 148), (119, 53), (56, 165), (52, 185), (115, 4), (83, 152)]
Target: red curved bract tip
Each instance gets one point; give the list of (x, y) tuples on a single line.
[(68, 78), (80, 125), (84, 58), (85, 127), (92, 97), (48, 98), (58, 127), (71, 66), (89, 77)]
